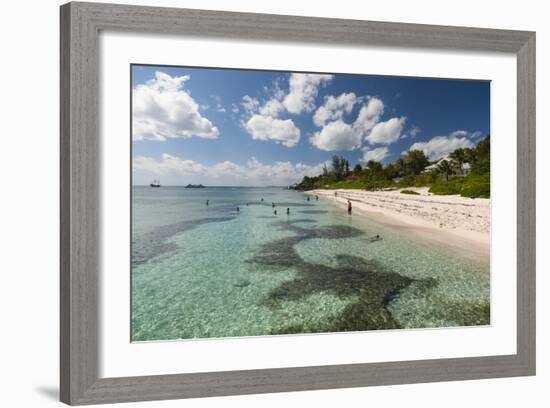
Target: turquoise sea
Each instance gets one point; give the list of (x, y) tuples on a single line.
[(212, 271)]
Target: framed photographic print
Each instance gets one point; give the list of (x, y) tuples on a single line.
[(259, 203)]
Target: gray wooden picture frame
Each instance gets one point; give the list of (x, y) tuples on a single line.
[(81, 24)]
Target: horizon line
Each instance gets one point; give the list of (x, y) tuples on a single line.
[(205, 186)]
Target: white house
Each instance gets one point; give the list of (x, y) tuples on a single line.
[(433, 167), (464, 170)]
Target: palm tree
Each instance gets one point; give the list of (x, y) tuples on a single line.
[(400, 166), (470, 155), (415, 162), (459, 158), (445, 168), (459, 155)]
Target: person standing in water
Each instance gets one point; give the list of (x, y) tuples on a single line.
[(272, 205), (275, 212), (316, 197), (238, 209), (207, 202), (349, 207), (288, 211)]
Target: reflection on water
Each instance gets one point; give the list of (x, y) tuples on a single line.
[(209, 271)]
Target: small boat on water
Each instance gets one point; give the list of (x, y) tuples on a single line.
[(155, 183), (194, 186)]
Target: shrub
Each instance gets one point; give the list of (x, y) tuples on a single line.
[(476, 190), (409, 192), (472, 186), (445, 188), (477, 186), (407, 181)]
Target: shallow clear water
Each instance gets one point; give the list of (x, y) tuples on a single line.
[(210, 271)]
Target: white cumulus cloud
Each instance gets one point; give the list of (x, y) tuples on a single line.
[(336, 136), (378, 154), (412, 132), (334, 108), (303, 89), (369, 115), (441, 146), (386, 132), (465, 133), (272, 107), (250, 104), (162, 108), (268, 128)]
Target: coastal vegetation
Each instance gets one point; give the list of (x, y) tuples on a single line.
[(411, 192), (465, 171)]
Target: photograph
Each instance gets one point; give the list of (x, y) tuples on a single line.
[(288, 203)]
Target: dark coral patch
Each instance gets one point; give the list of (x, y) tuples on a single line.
[(370, 283), (153, 243)]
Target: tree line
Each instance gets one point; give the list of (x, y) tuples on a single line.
[(471, 164)]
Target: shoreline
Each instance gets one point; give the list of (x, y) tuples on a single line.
[(458, 223)]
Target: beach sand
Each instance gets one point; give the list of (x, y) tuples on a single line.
[(460, 223)]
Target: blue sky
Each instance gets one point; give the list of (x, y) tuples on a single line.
[(241, 127)]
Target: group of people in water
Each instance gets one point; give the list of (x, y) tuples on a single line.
[(376, 237)]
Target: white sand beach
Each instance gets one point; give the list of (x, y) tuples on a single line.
[(458, 222)]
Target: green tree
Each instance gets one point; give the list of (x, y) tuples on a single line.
[(374, 166), (390, 171), (483, 152), (400, 166), (470, 155), (459, 156), (374, 171), (357, 169), (337, 166), (483, 148), (415, 162), (445, 168)]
